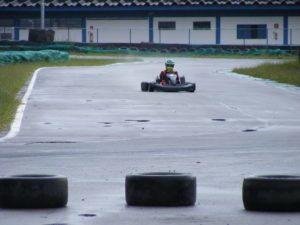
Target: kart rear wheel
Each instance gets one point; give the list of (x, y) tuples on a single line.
[(144, 86), (193, 88)]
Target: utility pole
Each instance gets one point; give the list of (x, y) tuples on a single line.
[(42, 14)]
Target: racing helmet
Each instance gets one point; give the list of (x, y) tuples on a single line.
[(169, 65)]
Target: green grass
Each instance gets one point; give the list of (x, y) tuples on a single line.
[(286, 72), (13, 77)]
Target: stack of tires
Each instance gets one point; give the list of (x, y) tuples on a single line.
[(41, 35)]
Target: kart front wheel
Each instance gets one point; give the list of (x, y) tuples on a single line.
[(144, 86), (151, 88)]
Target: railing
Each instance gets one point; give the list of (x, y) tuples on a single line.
[(178, 36)]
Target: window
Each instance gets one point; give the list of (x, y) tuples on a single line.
[(30, 23), (201, 25), (6, 29), (5, 36), (166, 25), (257, 31)]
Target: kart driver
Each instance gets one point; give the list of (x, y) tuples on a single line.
[(169, 69)]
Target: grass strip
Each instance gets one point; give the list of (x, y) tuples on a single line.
[(14, 76), (286, 72)]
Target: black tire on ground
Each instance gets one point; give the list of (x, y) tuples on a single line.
[(144, 86), (164, 50), (173, 50), (33, 191), (272, 193), (153, 50), (160, 189)]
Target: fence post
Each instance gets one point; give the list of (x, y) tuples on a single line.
[(285, 30), (42, 2), (218, 30), (189, 36), (83, 33), (151, 40), (68, 33), (130, 35), (17, 30), (97, 35), (291, 36), (159, 33)]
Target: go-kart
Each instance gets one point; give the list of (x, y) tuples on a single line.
[(172, 84)]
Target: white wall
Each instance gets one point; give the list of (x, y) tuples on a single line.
[(294, 30), (184, 33), (73, 34), (23, 34), (229, 30), (117, 30)]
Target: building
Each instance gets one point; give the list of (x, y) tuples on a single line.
[(196, 22)]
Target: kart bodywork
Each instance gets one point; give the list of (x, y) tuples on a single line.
[(172, 85)]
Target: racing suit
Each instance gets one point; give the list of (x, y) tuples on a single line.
[(163, 79)]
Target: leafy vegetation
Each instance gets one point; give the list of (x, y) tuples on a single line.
[(286, 72)]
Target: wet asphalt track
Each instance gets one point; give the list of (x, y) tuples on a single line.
[(94, 125)]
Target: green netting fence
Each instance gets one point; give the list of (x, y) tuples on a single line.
[(153, 50), (10, 57)]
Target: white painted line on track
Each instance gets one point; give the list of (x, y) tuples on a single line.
[(16, 125)]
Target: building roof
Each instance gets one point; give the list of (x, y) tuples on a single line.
[(146, 3)]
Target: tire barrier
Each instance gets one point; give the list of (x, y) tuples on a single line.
[(160, 189), (272, 193), (260, 193), (33, 56), (33, 191), (148, 49)]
